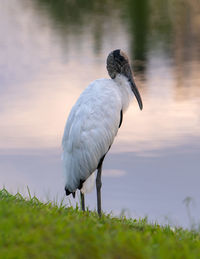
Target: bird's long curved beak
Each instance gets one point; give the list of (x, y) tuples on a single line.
[(136, 92)]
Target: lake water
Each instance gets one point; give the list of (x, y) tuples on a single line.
[(51, 50)]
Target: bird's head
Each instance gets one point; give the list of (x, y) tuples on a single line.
[(118, 63)]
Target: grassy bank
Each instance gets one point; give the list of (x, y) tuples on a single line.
[(31, 229)]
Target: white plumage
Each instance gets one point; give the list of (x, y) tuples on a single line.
[(91, 128), (93, 124)]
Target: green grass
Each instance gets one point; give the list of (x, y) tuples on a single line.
[(31, 229)]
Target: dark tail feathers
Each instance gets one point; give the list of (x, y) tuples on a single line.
[(73, 193), (68, 192)]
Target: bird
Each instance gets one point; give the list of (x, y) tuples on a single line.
[(92, 126)]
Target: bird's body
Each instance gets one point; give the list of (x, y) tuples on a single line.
[(93, 124)]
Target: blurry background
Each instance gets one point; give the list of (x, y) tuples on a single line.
[(51, 50)]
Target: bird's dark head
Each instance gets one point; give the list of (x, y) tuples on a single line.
[(118, 64)]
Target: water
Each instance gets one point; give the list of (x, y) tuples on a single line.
[(50, 51)]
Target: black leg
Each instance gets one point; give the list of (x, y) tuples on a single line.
[(82, 201), (98, 186)]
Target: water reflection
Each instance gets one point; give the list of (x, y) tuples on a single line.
[(138, 29), (53, 49)]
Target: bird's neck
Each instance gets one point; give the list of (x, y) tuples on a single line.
[(125, 90)]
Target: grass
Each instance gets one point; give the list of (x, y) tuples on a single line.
[(31, 229)]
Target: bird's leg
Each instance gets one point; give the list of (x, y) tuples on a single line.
[(82, 201), (98, 186)]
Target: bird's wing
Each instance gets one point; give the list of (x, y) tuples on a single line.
[(90, 131)]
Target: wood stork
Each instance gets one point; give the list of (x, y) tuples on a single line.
[(93, 124)]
